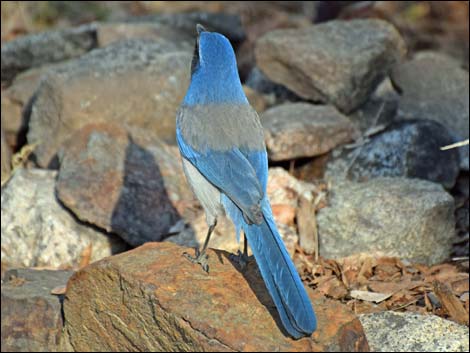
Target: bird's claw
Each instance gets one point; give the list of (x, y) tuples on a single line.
[(241, 258), (200, 258)]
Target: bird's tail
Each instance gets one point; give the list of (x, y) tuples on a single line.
[(281, 277)]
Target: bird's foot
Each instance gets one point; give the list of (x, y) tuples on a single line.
[(201, 258), (241, 258)]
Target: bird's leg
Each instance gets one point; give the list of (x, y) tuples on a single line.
[(201, 257), (242, 258)]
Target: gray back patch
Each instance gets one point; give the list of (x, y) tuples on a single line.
[(220, 127)]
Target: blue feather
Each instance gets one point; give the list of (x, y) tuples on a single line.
[(278, 271)]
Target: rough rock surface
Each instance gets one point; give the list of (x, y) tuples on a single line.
[(304, 130), (407, 218), (408, 332), (47, 47), (129, 184), (405, 149), (435, 87), (339, 62), (38, 231), (154, 299), (136, 82), (31, 315)]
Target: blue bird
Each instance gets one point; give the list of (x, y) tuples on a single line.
[(224, 158)]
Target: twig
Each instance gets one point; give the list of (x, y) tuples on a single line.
[(455, 145)]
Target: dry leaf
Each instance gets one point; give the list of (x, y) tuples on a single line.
[(369, 296), (332, 287)]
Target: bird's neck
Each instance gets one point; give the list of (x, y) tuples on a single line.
[(215, 87)]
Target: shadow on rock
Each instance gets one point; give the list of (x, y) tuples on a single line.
[(144, 211)]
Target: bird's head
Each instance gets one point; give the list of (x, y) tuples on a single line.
[(212, 51), (214, 73)]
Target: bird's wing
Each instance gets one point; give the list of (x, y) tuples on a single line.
[(231, 172)]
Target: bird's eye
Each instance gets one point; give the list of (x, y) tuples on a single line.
[(195, 61)]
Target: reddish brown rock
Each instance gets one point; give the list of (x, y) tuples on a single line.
[(132, 186), (153, 299), (31, 315)]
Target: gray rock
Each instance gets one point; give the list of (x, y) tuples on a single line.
[(136, 82), (408, 332), (405, 149), (304, 130), (131, 186), (38, 231), (31, 316), (110, 32), (408, 218), (338, 62), (47, 47), (434, 86), (228, 24)]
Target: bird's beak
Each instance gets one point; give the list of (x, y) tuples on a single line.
[(200, 28)]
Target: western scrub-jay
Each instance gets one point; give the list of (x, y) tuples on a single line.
[(224, 158)]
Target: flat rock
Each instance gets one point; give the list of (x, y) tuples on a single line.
[(338, 62), (136, 82), (127, 183), (31, 315), (38, 231), (407, 218), (154, 299), (295, 130), (408, 332), (405, 149), (47, 47)]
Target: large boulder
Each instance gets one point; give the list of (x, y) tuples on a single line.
[(338, 62), (136, 82), (408, 218), (153, 299)]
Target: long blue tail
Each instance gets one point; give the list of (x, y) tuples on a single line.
[(279, 274)]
